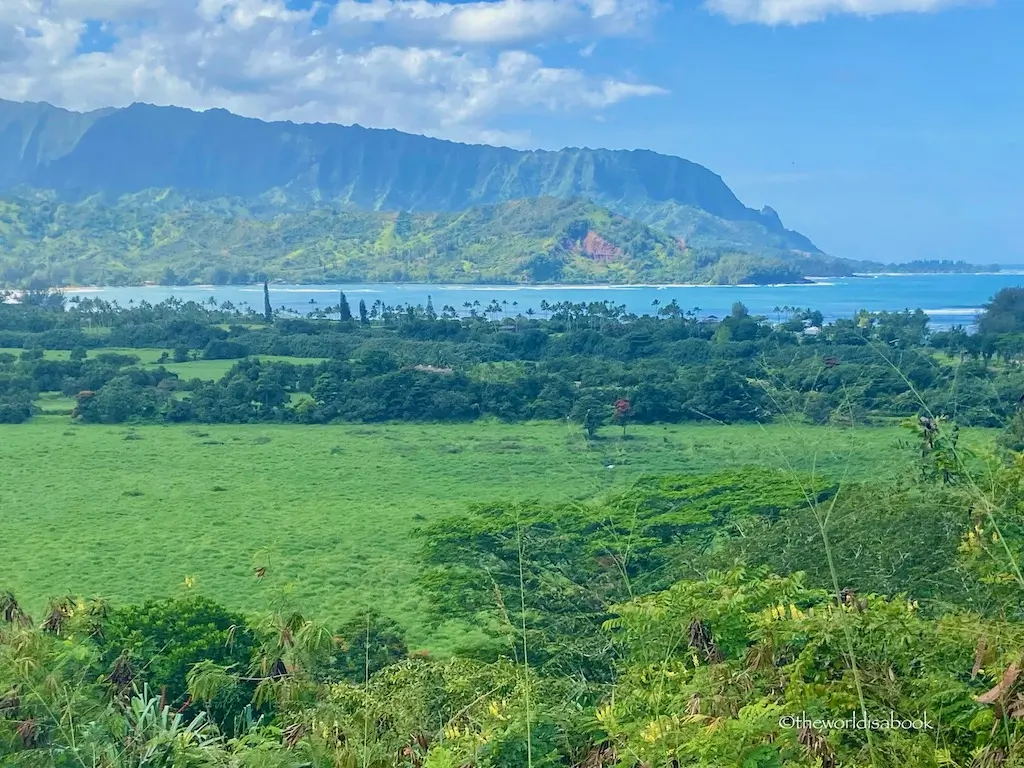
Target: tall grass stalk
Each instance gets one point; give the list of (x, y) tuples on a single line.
[(526, 657), (822, 520), (963, 469)]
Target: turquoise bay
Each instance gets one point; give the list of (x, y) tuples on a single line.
[(949, 299)]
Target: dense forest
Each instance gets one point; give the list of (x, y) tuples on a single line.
[(748, 617)]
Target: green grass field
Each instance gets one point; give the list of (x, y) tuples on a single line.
[(210, 370), (55, 403), (130, 512)]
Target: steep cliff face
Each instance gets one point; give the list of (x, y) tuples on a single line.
[(214, 154), (33, 135)]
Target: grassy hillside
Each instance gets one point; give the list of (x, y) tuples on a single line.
[(167, 238)]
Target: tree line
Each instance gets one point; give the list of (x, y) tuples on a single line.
[(594, 364)]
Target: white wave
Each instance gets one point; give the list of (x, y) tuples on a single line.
[(304, 290), (724, 287), (966, 311), (308, 290), (698, 285), (937, 274), (585, 287), (484, 288), (794, 285), (469, 287)]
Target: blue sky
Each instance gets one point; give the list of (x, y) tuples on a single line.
[(887, 129)]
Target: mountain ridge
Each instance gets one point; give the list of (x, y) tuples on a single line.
[(215, 153)]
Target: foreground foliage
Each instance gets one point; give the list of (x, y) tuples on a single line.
[(614, 642), (745, 617)]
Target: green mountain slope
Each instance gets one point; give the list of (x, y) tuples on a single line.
[(215, 154), (166, 238)]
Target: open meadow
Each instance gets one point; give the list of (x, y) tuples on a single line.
[(130, 512), (207, 370)]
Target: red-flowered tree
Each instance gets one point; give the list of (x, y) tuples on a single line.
[(623, 412)]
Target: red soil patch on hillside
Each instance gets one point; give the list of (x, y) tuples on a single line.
[(597, 248)]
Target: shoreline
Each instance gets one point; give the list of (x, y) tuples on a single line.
[(809, 281), (332, 287), (932, 274)]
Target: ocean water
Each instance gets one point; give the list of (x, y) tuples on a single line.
[(948, 299)]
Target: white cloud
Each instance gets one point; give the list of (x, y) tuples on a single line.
[(262, 59), (494, 21), (774, 12), (110, 9)]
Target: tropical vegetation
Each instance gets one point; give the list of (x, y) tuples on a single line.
[(592, 364), (171, 241), (832, 613), (631, 631)]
